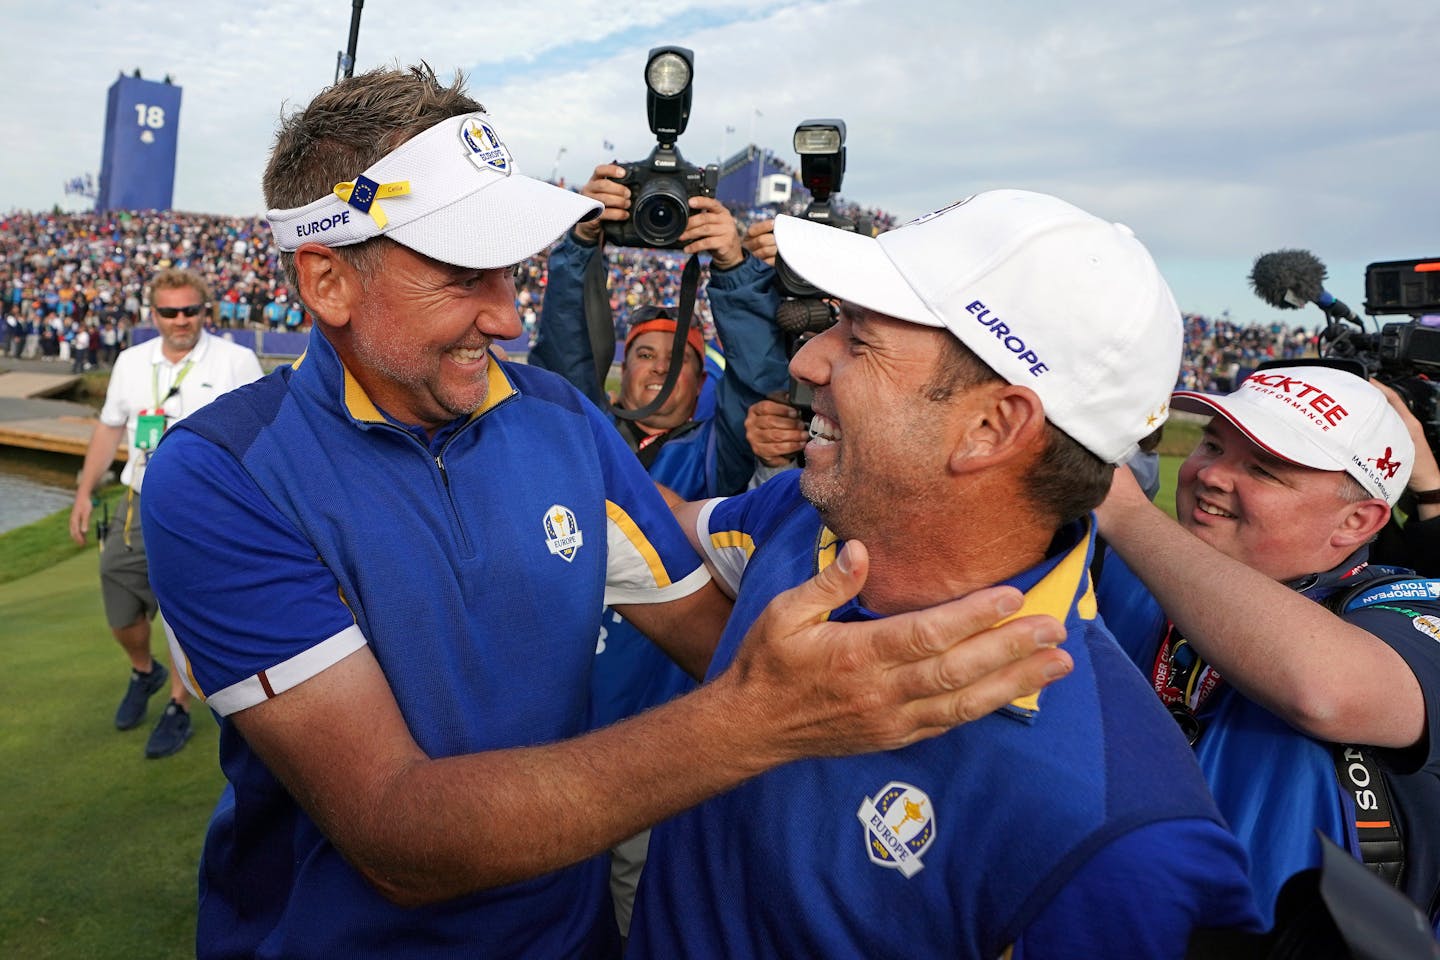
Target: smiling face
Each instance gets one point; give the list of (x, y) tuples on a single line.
[(1279, 518), (875, 438), (647, 361), (417, 339)]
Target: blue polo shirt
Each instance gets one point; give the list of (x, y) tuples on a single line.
[(295, 522), (1074, 824)]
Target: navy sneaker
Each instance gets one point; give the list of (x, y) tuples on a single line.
[(143, 686), (170, 733)]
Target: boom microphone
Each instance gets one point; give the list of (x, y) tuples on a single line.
[(1289, 279)]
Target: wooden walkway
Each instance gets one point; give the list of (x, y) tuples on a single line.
[(29, 419)]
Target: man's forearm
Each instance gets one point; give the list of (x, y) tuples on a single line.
[(743, 302), (562, 340), (449, 827), (1324, 676), (99, 454)]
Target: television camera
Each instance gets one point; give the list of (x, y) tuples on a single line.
[(1403, 355)]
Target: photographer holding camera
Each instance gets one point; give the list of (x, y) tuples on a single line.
[(1274, 641), (694, 444), (693, 455)]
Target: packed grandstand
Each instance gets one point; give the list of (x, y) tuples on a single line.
[(73, 285)]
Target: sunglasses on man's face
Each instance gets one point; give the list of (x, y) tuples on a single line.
[(190, 310)]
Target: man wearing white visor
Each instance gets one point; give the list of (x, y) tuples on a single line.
[(991, 363), (383, 569), (1274, 642)]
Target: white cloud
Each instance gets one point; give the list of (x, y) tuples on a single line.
[(1218, 130)]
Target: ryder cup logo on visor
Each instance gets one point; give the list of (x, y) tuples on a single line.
[(562, 533), (484, 147), (899, 826)]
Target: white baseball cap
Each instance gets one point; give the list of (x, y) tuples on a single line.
[(1049, 296), (451, 193), (1320, 417)]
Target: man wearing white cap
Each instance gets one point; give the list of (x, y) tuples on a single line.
[(1274, 642), (991, 363), (383, 568)]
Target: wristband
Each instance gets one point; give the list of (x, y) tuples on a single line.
[(1427, 496)]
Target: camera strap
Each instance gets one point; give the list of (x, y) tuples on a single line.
[(1377, 827), (600, 323)]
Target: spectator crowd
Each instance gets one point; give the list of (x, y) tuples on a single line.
[(73, 284)]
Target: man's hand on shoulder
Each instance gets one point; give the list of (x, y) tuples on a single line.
[(807, 686), (602, 186), (712, 229)]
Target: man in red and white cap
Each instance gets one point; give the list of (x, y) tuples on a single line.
[(1273, 640)]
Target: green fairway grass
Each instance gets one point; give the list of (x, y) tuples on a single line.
[(100, 846)]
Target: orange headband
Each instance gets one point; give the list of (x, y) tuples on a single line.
[(693, 338)]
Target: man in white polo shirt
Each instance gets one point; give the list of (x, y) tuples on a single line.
[(153, 385)]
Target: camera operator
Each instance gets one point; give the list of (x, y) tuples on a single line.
[(1274, 641), (705, 458), (695, 449), (1416, 543)]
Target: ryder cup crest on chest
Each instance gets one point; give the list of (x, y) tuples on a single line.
[(562, 532), (899, 826)]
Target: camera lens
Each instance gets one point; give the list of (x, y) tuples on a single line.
[(792, 283), (660, 212)]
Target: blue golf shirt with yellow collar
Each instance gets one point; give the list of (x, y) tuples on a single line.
[(1075, 824), (295, 522)]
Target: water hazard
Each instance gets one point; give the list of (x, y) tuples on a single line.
[(34, 485)]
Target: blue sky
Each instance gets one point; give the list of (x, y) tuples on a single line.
[(1218, 130)]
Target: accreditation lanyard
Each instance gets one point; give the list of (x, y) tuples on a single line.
[(1180, 675), (150, 424), (174, 387)]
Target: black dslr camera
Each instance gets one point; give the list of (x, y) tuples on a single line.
[(803, 311), (662, 184)]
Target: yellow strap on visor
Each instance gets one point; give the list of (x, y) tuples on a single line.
[(362, 194)]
